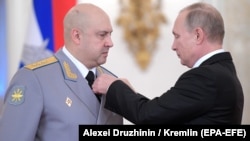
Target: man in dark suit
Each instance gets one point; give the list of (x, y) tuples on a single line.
[(209, 93), (49, 99)]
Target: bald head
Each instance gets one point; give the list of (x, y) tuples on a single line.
[(81, 17), (87, 34)]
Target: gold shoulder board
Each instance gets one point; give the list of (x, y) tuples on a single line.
[(41, 63)]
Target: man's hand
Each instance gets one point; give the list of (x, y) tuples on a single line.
[(102, 83)]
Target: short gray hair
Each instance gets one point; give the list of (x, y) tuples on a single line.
[(208, 18)]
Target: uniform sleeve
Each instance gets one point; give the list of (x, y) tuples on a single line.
[(23, 105)]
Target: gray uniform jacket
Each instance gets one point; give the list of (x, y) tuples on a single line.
[(47, 100)]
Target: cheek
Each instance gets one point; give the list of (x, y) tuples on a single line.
[(178, 45), (184, 51)]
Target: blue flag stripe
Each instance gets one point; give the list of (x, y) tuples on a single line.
[(3, 48), (43, 11)]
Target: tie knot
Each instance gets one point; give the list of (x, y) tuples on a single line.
[(90, 77)]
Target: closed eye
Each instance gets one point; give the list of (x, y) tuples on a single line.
[(176, 35), (103, 34)]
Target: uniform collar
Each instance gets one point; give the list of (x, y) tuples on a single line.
[(81, 67)]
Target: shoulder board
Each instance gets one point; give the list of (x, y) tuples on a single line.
[(42, 63)]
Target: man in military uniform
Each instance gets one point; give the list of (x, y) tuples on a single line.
[(47, 100)]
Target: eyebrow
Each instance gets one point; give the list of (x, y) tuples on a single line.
[(104, 31)]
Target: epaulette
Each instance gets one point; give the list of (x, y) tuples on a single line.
[(42, 63)]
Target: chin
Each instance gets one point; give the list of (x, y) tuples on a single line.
[(102, 62)]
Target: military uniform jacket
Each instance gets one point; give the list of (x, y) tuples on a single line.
[(47, 100), (208, 94)]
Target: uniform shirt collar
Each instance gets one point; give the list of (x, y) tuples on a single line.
[(81, 67)]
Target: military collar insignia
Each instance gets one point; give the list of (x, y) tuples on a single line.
[(99, 69), (68, 71), (16, 96)]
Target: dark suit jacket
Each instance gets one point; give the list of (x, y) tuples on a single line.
[(208, 94)]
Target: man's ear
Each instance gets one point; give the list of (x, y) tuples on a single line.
[(199, 35), (75, 35)]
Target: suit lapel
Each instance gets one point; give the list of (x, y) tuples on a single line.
[(104, 114), (78, 84)]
